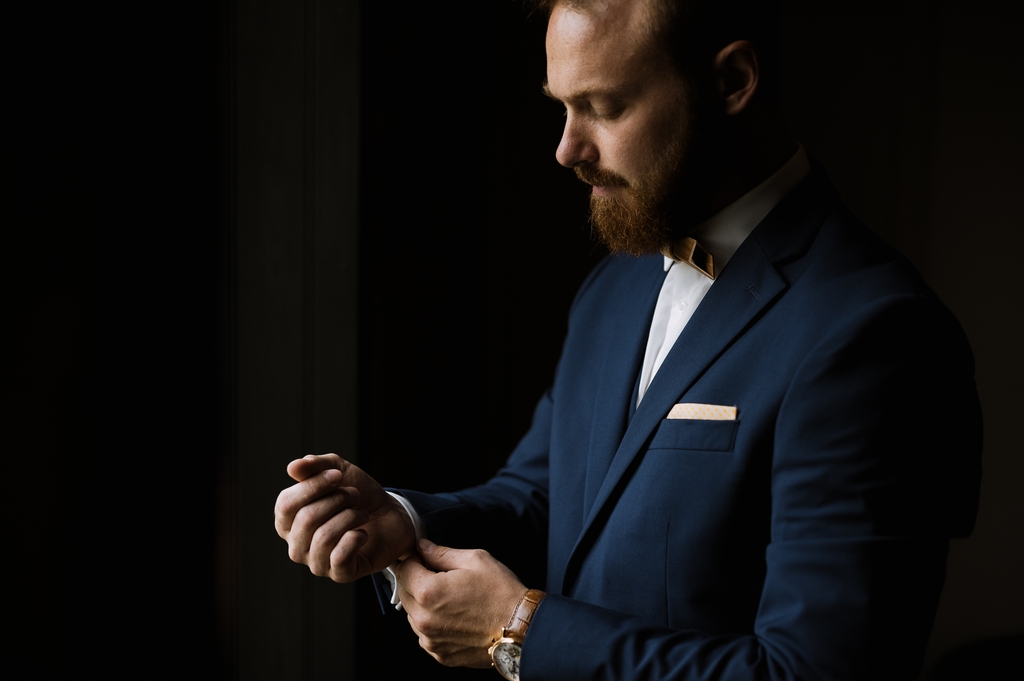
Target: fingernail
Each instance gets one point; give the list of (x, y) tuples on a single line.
[(332, 476)]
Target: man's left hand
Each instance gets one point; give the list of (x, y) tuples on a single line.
[(457, 601)]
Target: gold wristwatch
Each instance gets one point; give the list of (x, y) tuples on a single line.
[(506, 649)]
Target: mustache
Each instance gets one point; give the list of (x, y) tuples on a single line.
[(600, 178)]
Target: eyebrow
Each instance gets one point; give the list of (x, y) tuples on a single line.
[(581, 95)]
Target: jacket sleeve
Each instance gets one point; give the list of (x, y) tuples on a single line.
[(513, 504), (875, 463)]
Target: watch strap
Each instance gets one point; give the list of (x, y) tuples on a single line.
[(521, 616)]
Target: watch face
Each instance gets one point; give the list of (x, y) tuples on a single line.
[(506, 659)]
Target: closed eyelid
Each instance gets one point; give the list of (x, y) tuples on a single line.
[(600, 103), (595, 110)]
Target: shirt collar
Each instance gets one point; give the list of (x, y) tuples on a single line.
[(723, 232)]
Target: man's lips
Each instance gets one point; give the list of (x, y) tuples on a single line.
[(602, 182)]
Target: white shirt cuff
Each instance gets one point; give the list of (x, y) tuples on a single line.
[(417, 526)]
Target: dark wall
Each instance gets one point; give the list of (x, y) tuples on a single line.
[(474, 239), (112, 252)]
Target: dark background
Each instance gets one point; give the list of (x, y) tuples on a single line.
[(236, 233)]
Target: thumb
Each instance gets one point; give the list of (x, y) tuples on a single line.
[(409, 569), (308, 466), (440, 558)]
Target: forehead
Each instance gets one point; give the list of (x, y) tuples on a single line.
[(605, 45)]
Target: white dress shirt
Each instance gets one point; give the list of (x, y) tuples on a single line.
[(720, 235)]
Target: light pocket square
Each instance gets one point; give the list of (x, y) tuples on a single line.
[(702, 412)]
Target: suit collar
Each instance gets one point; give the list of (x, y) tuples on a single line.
[(724, 232)]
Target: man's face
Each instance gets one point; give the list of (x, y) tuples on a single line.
[(628, 122)]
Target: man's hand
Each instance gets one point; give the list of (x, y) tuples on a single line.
[(339, 521), (457, 602)]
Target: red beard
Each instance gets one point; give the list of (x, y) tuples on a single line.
[(636, 219)]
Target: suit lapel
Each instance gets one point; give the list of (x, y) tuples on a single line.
[(614, 403), (746, 288)]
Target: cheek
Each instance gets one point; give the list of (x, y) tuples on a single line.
[(624, 150), (637, 151)]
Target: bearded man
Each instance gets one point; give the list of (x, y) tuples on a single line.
[(763, 428)]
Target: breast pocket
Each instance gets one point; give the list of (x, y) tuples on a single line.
[(714, 436)]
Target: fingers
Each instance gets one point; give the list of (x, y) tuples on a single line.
[(310, 465), (416, 573), (422, 581), (314, 515), (424, 641), (418, 592), (448, 612), (320, 526), (346, 562), (419, 589), (410, 574), (442, 558), (292, 500)]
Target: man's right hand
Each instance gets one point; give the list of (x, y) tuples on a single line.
[(339, 521)]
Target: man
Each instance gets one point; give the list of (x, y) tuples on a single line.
[(763, 428)]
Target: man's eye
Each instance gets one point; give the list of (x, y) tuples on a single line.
[(606, 109), (608, 113)]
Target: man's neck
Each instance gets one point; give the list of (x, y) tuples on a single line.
[(753, 160)]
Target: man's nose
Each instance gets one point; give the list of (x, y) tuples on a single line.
[(576, 146)]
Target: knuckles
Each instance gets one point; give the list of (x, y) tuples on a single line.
[(340, 575), (446, 660), (430, 624), (282, 515), (429, 596), (479, 556), (313, 488), (319, 556), (300, 519), (428, 645), (295, 553), (344, 566)]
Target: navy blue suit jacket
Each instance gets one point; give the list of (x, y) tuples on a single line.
[(805, 540)]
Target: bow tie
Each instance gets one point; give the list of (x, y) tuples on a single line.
[(689, 251)]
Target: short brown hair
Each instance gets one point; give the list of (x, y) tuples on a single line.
[(691, 32)]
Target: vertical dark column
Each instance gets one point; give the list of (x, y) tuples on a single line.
[(974, 202), (295, 151), (110, 172)]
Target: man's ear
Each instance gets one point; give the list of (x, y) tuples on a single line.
[(736, 72)]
